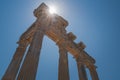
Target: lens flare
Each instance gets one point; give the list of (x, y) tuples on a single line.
[(52, 9)]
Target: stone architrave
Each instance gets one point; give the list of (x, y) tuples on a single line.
[(63, 72), (53, 26)]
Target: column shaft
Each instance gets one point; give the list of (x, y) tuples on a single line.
[(63, 73), (93, 72), (13, 67), (81, 70), (30, 64)]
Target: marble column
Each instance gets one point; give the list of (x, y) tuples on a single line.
[(93, 72), (81, 70), (13, 67), (63, 73), (29, 68)]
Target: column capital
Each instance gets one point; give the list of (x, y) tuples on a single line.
[(91, 66), (80, 60), (23, 43), (61, 47)]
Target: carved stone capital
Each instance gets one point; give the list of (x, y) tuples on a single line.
[(79, 60), (23, 43), (91, 66)]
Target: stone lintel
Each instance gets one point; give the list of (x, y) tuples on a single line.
[(86, 58), (89, 58), (61, 20)]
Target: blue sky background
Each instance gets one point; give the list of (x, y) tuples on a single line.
[(95, 22)]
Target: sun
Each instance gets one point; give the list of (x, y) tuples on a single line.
[(52, 10)]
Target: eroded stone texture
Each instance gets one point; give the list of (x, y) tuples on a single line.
[(63, 73), (81, 69), (13, 67), (54, 26), (93, 73), (29, 67)]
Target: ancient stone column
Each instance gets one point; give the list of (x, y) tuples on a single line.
[(93, 72), (81, 69), (63, 73), (30, 64), (13, 67)]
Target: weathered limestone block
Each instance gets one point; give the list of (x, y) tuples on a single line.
[(71, 36), (41, 10), (81, 45)]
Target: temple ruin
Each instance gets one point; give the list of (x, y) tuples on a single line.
[(55, 28)]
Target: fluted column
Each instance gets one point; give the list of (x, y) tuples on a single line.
[(30, 64), (13, 67), (93, 72), (81, 69), (63, 73)]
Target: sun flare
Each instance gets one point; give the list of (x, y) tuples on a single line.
[(52, 9)]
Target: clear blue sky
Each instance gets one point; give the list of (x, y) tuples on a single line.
[(95, 22)]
